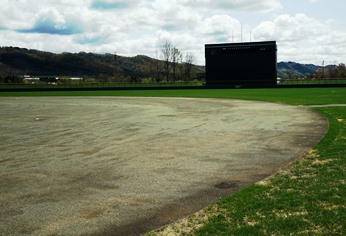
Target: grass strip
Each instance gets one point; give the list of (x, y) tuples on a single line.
[(293, 96)]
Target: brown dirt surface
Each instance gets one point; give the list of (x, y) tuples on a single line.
[(125, 166)]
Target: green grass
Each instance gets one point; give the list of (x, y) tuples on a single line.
[(294, 96), (307, 198)]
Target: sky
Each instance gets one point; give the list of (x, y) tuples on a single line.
[(306, 31)]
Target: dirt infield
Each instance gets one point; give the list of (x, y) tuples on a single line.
[(124, 166)]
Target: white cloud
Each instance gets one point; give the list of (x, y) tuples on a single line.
[(139, 26), (290, 28), (219, 24), (236, 5), (303, 39)]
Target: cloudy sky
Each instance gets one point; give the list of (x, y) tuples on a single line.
[(306, 31)]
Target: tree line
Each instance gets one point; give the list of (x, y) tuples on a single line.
[(177, 66), (332, 71), (295, 71)]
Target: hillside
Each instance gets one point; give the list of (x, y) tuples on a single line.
[(34, 62), (286, 69), (21, 61)]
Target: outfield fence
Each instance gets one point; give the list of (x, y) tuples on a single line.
[(336, 81), (88, 85)]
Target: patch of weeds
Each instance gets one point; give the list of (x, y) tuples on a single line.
[(218, 225), (187, 226)]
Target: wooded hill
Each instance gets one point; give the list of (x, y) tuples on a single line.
[(21, 61)]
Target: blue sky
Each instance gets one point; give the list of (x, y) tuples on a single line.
[(307, 31)]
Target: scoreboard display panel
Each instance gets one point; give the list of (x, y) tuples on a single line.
[(241, 64)]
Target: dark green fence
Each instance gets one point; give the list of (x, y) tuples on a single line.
[(340, 81), (85, 85)]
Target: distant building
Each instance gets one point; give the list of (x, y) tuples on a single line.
[(241, 64)]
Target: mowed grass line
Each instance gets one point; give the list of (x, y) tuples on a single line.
[(293, 96), (306, 198)]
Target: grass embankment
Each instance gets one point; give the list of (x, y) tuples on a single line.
[(306, 198)]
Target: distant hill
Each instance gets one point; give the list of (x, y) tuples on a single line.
[(299, 68), (296, 69), (14, 60), (33, 62)]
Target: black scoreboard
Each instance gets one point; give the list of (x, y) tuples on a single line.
[(241, 64)]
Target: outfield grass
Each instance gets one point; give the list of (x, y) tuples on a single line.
[(294, 96), (307, 198)]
